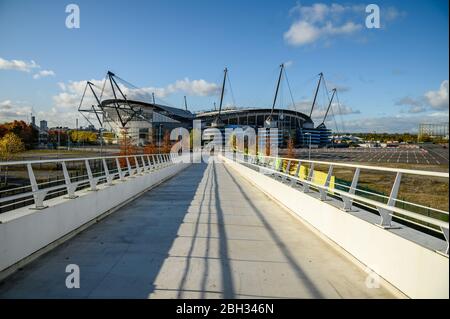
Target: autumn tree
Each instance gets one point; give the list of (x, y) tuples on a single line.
[(10, 144), (267, 146), (127, 147), (26, 132), (167, 144), (290, 148), (57, 136), (151, 149), (78, 136)]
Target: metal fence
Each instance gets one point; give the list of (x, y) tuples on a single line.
[(351, 194), (39, 180)]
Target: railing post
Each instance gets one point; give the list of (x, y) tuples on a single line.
[(309, 178), (445, 232), (128, 166), (155, 161), (297, 171), (71, 187), (119, 169), (288, 169), (107, 175), (274, 164), (92, 180), (145, 167), (38, 195), (150, 165), (138, 168), (323, 191), (386, 217), (348, 202), (280, 168)]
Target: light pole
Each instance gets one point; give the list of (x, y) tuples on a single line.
[(309, 147)]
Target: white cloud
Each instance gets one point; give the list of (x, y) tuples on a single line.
[(320, 21), (43, 73), (431, 100), (24, 66), (18, 65), (417, 109), (407, 100), (5, 105), (392, 13), (415, 105), (438, 99), (399, 123), (301, 32), (195, 87), (18, 110), (10, 111), (319, 112), (288, 63), (72, 92)]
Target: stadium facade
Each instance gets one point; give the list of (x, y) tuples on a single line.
[(151, 121)]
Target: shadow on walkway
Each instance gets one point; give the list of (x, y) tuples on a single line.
[(120, 256)]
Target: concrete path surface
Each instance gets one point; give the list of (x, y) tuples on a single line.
[(206, 233)]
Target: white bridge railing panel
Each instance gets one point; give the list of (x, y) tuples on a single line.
[(408, 263), (386, 206), (95, 171), (41, 215)]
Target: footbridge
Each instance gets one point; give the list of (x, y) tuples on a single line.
[(159, 226)]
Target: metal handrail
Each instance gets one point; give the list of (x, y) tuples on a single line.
[(143, 163), (59, 160), (375, 168), (274, 166)]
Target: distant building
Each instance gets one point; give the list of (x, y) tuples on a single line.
[(42, 129), (433, 130), (43, 125)]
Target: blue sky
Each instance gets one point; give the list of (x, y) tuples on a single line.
[(389, 79)]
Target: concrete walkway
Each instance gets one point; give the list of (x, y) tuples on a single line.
[(206, 233)]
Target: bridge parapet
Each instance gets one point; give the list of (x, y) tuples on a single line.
[(402, 247), (303, 173), (70, 175), (41, 214)]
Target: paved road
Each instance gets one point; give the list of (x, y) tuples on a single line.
[(206, 233), (428, 155)]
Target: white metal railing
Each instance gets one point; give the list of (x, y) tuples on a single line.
[(288, 169), (110, 168)]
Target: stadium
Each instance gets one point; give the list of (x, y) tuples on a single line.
[(151, 121), (148, 122)]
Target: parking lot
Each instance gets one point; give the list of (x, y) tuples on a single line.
[(426, 154)]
